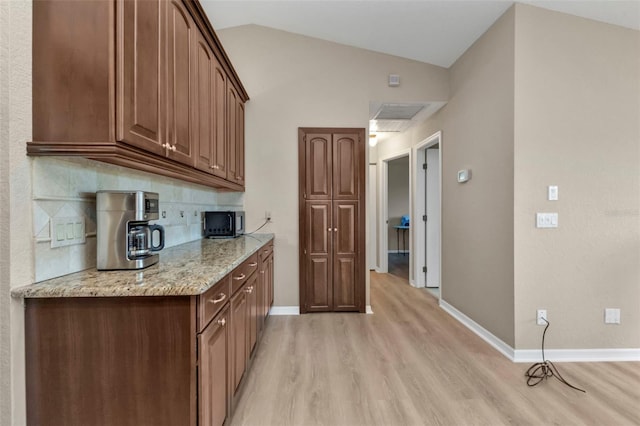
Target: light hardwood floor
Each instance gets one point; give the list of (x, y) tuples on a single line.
[(410, 363)]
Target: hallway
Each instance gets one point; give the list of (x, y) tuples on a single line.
[(411, 363)]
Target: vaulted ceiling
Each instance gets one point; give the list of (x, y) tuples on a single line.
[(432, 31)]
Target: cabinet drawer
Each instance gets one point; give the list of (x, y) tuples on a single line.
[(266, 250), (240, 275), (212, 301)]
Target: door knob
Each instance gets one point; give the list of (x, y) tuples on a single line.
[(222, 322)]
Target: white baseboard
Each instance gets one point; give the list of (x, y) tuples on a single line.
[(369, 310), (484, 334), (535, 355), (577, 355), (284, 310)]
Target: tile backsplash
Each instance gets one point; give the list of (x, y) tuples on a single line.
[(65, 187)]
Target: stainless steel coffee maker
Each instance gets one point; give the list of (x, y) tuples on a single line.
[(124, 235)]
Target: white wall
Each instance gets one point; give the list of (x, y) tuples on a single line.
[(296, 81)]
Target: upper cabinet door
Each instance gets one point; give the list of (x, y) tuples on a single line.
[(232, 129), (240, 142), (180, 39), (204, 114), (220, 160), (318, 166), (139, 74), (346, 167)]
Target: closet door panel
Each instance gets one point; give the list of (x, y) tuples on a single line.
[(318, 167), (345, 167)]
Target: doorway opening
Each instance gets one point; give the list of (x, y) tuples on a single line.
[(427, 208), (390, 240), (398, 219)]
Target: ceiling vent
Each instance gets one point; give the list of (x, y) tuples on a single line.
[(398, 111)]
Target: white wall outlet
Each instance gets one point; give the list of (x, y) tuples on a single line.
[(67, 231), (552, 193), (267, 215), (541, 316), (546, 220), (612, 316)]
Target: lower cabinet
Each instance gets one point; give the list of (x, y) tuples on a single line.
[(145, 360), (239, 322), (213, 378)]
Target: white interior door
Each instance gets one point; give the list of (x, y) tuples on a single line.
[(433, 218), (373, 217)]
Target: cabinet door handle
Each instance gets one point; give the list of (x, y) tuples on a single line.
[(249, 290), (215, 166), (173, 148), (253, 264), (165, 145), (239, 277), (328, 229), (222, 322), (218, 299), (335, 229)]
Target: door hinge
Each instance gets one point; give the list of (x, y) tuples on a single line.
[(304, 251), (424, 166), (424, 217), (304, 195), (424, 269)]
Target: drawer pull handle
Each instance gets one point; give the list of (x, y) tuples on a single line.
[(218, 299), (240, 277), (249, 289), (253, 264), (222, 322)]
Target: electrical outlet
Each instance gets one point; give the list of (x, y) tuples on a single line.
[(612, 316), (267, 216), (541, 316)]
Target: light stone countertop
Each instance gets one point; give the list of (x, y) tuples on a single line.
[(184, 270)]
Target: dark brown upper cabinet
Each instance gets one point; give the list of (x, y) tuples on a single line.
[(137, 83), (332, 219)]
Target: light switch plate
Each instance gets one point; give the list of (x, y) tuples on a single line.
[(552, 193), (546, 220), (67, 231), (612, 316)]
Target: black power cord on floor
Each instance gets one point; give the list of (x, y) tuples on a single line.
[(542, 370)]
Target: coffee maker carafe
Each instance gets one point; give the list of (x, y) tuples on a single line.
[(124, 235)]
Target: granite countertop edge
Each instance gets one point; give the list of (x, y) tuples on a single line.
[(188, 269)]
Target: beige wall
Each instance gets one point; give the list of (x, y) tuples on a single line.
[(477, 220), (575, 87), (477, 217), (398, 200), (297, 81), (577, 125), (16, 255)]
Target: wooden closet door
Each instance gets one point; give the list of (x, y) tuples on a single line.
[(318, 267), (345, 255), (139, 74), (346, 177), (331, 199), (318, 159)]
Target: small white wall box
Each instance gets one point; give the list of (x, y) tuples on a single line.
[(464, 175), (394, 80)]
